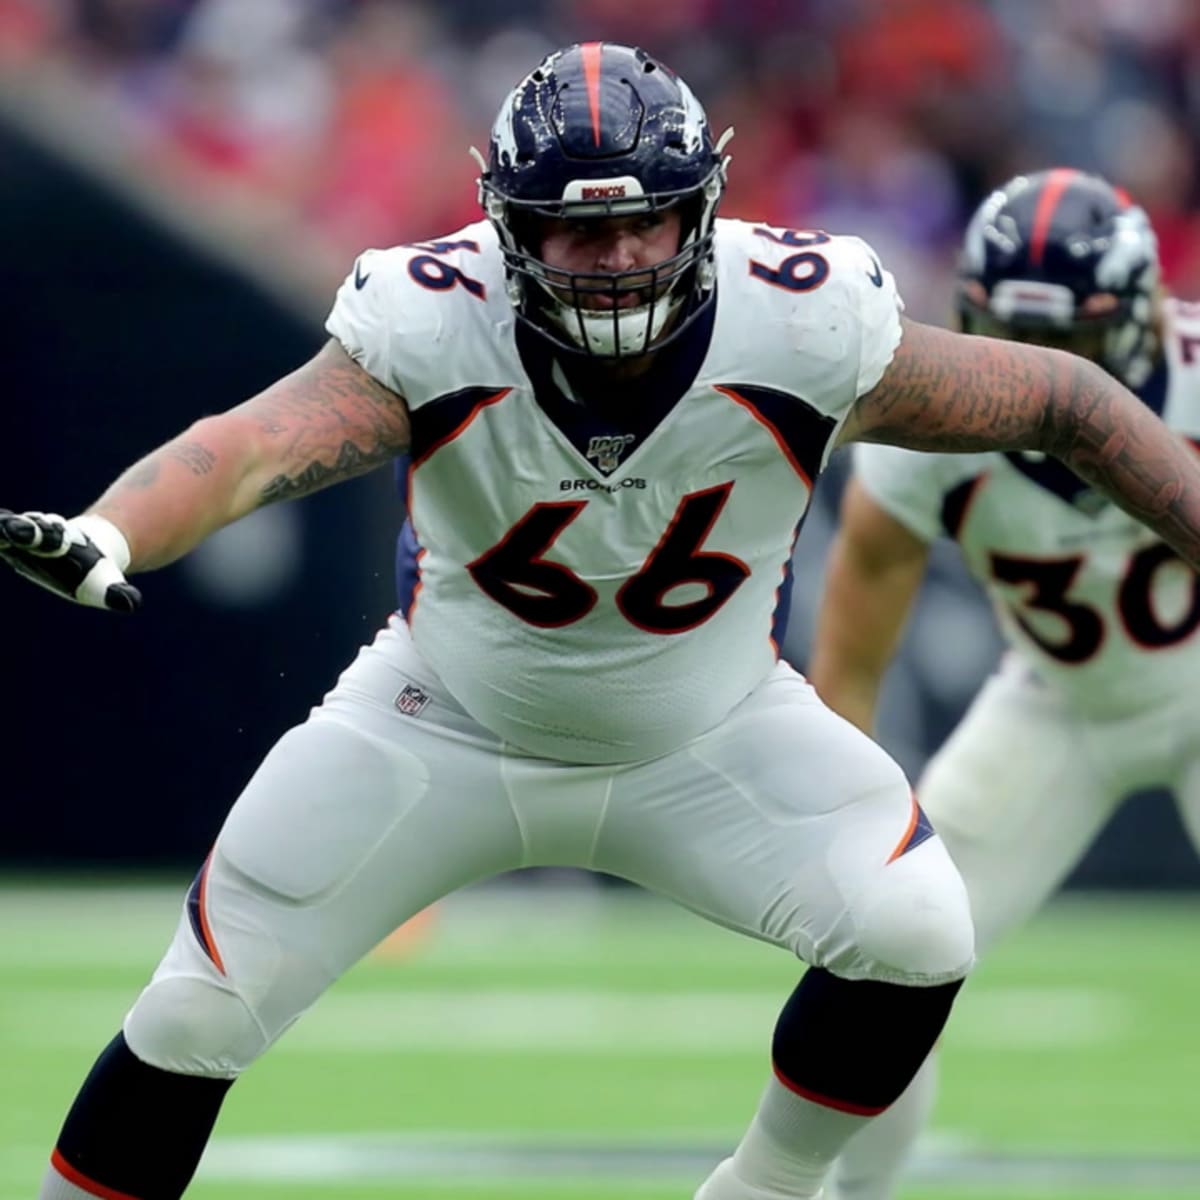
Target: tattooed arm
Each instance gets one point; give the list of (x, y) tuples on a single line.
[(327, 421), (952, 392)]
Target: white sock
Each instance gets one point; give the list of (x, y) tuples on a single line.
[(785, 1153), (869, 1168), (56, 1187)]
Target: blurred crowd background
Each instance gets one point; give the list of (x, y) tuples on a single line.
[(281, 137), (349, 119)]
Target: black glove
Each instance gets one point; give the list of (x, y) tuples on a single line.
[(83, 559)]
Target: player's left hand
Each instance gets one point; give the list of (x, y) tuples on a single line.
[(81, 559)]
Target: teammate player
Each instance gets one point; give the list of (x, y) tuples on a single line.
[(1095, 695), (616, 407)]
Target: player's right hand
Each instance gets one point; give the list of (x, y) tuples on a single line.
[(82, 559)]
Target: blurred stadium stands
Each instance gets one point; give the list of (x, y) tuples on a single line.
[(183, 183)]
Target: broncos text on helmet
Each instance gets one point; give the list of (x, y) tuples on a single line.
[(1064, 258), (600, 130)]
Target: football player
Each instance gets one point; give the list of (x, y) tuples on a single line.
[(616, 407), (1093, 698)]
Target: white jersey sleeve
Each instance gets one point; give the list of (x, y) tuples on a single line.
[(400, 309), (862, 304), (873, 294), (363, 317), (807, 313), (910, 485)]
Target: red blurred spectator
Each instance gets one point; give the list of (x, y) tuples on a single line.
[(903, 51), (393, 165), (28, 27)]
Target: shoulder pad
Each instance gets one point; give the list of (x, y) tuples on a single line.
[(398, 307)]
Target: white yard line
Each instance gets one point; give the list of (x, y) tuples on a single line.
[(500, 925), (444, 1158), (458, 1159), (575, 1021)]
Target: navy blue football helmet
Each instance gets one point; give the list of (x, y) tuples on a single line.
[(600, 130), (1063, 258)]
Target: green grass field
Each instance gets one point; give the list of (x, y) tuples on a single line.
[(600, 1045)]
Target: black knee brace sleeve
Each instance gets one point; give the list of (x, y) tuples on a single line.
[(856, 1044), (135, 1129)]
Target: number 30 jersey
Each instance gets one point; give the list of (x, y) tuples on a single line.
[(1089, 598), (599, 582)]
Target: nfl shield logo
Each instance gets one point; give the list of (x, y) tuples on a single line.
[(607, 450), (412, 700)]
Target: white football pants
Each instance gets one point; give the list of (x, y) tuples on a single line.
[(1024, 785), (784, 823)]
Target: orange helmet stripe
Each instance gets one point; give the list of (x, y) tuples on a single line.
[(1056, 183), (591, 73)]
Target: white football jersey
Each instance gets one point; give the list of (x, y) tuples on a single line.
[(601, 584), (1087, 596)]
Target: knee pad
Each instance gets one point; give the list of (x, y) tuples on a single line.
[(913, 919), (194, 1026)]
